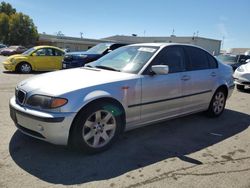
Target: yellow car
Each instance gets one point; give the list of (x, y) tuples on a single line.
[(39, 58)]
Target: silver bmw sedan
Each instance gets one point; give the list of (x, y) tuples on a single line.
[(136, 85)]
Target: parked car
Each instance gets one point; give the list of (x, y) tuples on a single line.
[(242, 76), (2, 46), (13, 50), (39, 58), (135, 85), (79, 59), (234, 60)]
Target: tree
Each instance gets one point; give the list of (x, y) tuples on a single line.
[(16, 28), (7, 8), (4, 27), (22, 30)]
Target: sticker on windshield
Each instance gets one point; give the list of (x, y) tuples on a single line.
[(145, 49)]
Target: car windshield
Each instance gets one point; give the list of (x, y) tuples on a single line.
[(27, 52), (98, 49), (128, 59), (13, 47), (227, 58)]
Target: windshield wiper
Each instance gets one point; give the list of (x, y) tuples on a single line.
[(88, 66), (107, 68)]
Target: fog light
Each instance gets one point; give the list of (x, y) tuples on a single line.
[(41, 128)]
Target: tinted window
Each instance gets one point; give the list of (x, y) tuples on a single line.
[(197, 59), (57, 53), (114, 46), (44, 52), (243, 58), (173, 56), (212, 62)]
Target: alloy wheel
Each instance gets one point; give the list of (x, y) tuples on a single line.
[(219, 102), (99, 129), (25, 68)]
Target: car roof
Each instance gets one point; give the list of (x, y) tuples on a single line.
[(46, 46), (162, 45)]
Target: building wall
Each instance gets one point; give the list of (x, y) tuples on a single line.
[(73, 43), (211, 45), (80, 44), (237, 51)]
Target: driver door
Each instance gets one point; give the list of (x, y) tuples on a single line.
[(162, 94)]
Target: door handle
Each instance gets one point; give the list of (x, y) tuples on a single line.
[(213, 74), (185, 78)]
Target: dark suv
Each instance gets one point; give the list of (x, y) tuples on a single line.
[(233, 60), (79, 59)]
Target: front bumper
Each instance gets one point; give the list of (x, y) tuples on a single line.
[(241, 78), (50, 127), (71, 65), (9, 67)]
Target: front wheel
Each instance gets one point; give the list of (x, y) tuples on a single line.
[(97, 127), (24, 68), (217, 104)]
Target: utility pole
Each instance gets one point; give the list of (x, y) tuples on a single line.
[(222, 43), (81, 34)]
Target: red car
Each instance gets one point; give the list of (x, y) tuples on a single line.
[(13, 50)]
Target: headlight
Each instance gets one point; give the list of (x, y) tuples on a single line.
[(46, 102), (240, 69), (12, 60)]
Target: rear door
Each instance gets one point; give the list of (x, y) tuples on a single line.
[(162, 94), (198, 80)]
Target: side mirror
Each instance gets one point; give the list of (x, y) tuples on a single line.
[(34, 54), (248, 61), (110, 51), (160, 69)]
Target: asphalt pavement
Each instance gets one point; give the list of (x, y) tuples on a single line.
[(193, 151)]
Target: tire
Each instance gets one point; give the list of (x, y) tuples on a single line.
[(24, 68), (96, 128), (240, 87), (217, 104)]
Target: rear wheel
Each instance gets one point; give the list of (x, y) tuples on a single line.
[(240, 87), (217, 104), (97, 127), (24, 68)]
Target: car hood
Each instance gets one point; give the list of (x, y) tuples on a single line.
[(229, 62), (17, 56), (246, 67), (64, 81)]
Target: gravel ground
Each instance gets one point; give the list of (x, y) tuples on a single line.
[(193, 151)]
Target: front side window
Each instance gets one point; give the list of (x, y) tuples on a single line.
[(197, 59), (173, 56), (128, 59)]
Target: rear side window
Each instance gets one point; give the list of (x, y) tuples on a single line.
[(58, 53), (173, 56), (212, 62), (197, 59)]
